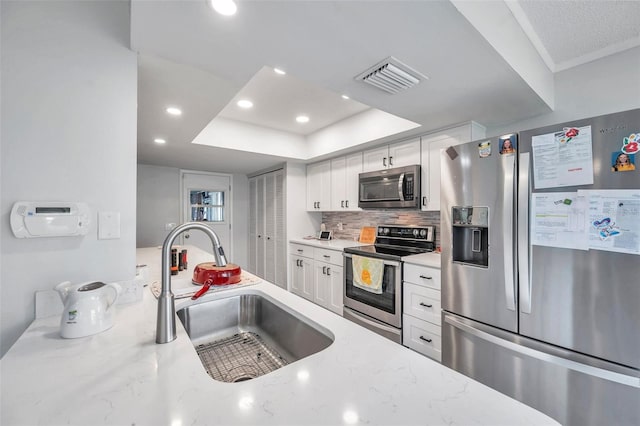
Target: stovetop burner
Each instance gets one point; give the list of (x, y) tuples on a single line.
[(395, 242)]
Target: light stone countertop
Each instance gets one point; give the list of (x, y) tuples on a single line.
[(121, 377), (431, 260), (330, 244)]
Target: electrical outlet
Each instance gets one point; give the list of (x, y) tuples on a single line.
[(131, 291), (340, 226)]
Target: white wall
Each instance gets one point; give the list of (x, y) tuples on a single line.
[(600, 87), (69, 85), (159, 202), (240, 229), (299, 222)]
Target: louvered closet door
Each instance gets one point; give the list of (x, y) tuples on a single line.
[(260, 212), (270, 227), (280, 236), (253, 226)]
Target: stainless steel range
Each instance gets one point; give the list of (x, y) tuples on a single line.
[(381, 311)]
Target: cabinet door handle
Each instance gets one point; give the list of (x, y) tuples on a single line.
[(300, 250), (259, 236), (425, 339), (328, 271), (425, 305), (391, 160), (324, 270), (268, 238), (342, 203), (384, 161), (326, 256), (425, 277), (347, 203), (424, 201), (318, 204)]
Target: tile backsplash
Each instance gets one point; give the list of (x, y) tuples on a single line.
[(352, 222)]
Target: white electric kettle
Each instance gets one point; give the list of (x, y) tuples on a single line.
[(87, 307)]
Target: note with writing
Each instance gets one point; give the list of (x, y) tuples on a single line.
[(563, 158)]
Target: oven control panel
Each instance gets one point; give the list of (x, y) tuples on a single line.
[(423, 233)]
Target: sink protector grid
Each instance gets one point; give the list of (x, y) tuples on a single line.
[(240, 357)]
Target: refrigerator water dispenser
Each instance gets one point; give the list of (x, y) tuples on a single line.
[(470, 235)]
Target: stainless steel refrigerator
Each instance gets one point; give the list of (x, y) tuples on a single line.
[(533, 304)]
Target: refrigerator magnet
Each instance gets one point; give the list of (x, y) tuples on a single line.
[(484, 149), (507, 146), (622, 162)]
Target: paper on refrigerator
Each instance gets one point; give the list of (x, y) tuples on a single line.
[(563, 158), (614, 220), (559, 219)]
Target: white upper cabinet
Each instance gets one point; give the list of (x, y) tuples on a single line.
[(319, 186), (432, 144), (344, 182), (395, 155)]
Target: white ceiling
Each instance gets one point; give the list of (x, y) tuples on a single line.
[(278, 99), (204, 63)]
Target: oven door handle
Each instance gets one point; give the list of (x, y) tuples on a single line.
[(386, 262), (376, 324)]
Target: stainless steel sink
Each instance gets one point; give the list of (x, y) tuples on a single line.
[(246, 336)]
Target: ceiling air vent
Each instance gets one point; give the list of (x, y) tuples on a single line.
[(391, 75)]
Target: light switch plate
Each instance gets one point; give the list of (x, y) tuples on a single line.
[(108, 225)]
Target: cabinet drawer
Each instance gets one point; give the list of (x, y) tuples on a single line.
[(421, 302), (301, 250), (422, 336), (422, 275), (329, 256)]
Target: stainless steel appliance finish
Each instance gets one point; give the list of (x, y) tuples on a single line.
[(555, 328), (378, 327), (385, 307), (390, 188), (382, 313), (284, 333), (572, 388), (166, 319)]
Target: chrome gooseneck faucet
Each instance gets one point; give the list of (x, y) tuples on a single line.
[(166, 324)]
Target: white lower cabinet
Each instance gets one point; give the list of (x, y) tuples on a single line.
[(422, 336), (328, 286), (302, 277), (317, 275), (421, 315)]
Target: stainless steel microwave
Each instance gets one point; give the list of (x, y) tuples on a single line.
[(390, 188)]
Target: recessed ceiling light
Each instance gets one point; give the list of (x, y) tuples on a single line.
[(159, 140), (345, 97), (279, 71), (224, 7), (302, 119), (174, 111), (245, 103)]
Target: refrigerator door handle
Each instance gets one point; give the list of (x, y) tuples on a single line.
[(507, 232), (524, 253), (543, 356)]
